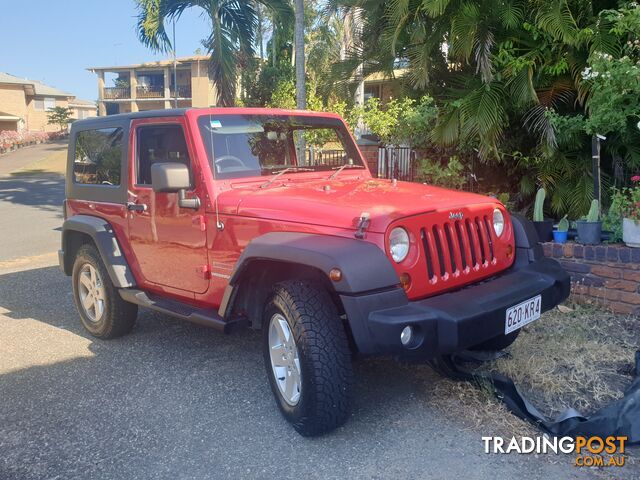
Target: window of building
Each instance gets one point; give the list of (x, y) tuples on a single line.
[(372, 91), (38, 104), (98, 155), (160, 143), (49, 103)]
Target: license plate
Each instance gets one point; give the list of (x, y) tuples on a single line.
[(522, 314)]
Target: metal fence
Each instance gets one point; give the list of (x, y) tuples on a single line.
[(397, 162), (325, 157)]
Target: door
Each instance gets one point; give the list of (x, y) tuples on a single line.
[(167, 241)]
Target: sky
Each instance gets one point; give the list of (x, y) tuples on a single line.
[(55, 42)]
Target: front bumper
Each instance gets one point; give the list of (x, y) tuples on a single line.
[(453, 321)]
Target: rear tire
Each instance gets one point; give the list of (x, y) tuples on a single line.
[(104, 314), (317, 357)]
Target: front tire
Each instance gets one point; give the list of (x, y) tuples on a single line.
[(102, 311), (307, 357)]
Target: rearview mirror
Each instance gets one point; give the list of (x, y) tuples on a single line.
[(173, 177)]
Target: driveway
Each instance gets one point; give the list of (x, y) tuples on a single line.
[(177, 401)]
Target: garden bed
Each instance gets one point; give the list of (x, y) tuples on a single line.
[(11, 140)]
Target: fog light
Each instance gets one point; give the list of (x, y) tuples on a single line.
[(406, 336), (509, 251), (405, 281)]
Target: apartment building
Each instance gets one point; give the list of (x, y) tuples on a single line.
[(24, 104), (152, 86)]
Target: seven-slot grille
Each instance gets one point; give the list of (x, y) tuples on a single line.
[(457, 247)]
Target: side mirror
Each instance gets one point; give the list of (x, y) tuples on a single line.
[(173, 177)]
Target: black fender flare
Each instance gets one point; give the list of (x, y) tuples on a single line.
[(364, 266), (102, 234), (528, 248)]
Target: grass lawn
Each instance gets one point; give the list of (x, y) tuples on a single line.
[(55, 163)]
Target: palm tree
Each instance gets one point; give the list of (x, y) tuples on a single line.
[(233, 31), (301, 91)]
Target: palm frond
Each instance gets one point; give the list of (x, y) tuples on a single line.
[(555, 18)]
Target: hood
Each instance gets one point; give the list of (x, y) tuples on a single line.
[(340, 203)]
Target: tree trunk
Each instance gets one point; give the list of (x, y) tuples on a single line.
[(301, 97), (260, 14)]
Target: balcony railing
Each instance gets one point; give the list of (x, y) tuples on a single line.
[(150, 91), (182, 91), (115, 93)]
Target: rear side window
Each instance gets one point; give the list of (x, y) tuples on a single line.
[(98, 156)]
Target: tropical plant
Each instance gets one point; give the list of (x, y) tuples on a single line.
[(538, 210), (594, 211), (60, 116), (233, 30), (563, 224), (626, 201), (449, 174)]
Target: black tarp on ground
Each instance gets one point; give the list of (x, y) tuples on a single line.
[(620, 418)]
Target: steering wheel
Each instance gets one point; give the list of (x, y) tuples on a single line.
[(229, 158)]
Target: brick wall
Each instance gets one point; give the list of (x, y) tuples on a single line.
[(370, 154), (607, 274)]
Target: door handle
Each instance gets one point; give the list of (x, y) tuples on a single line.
[(136, 207)]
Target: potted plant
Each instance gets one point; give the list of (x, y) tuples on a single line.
[(627, 202), (590, 230), (560, 234), (542, 226)]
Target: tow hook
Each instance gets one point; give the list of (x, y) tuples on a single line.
[(362, 226)]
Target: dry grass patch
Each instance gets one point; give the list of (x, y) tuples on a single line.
[(54, 163), (583, 358)]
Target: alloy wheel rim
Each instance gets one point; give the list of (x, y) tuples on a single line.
[(92, 293), (285, 361)]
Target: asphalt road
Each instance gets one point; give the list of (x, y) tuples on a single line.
[(30, 206), (177, 401)]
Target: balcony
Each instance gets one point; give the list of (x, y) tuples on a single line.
[(116, 93), (182, 91), (150, 91)]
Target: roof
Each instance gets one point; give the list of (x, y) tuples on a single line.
[(7, 117), (179, 112), (33, 87), (155, 64), (78, 102)]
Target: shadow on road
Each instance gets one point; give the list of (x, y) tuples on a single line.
[(46, 192)]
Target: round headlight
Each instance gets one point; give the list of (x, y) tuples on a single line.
[(498, 222), (399, 244)]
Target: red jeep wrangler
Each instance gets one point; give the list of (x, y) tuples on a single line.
[(271, 219)]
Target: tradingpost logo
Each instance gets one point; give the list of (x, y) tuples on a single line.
[(592, 451)]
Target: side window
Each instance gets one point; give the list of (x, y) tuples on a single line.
[(160, 143), (98, 155)]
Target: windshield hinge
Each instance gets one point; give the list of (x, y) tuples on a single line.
[(362, 226)]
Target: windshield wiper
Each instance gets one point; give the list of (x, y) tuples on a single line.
[(278, 174), (339, 169)]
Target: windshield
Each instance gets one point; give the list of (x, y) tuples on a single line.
[(254, 145)]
